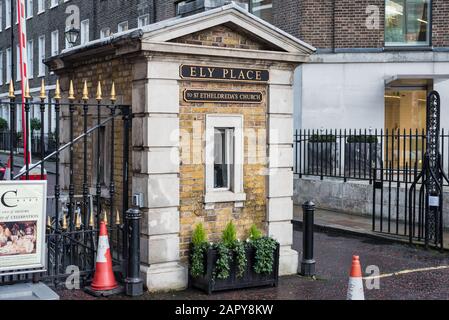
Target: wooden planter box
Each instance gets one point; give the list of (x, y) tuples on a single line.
[(249, 279)]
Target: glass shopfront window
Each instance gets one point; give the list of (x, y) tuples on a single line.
[(407, 22), (260, 8)]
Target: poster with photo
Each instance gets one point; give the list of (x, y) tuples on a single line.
[(22, 225)]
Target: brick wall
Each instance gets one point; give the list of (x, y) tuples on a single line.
[(192, 176), (351, 30), (221, 36), (315, 23), (440, 24), (192, 173)]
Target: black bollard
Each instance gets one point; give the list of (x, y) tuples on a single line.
[(308, 263), (133, 282)]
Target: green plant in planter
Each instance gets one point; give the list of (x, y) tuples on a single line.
[(254, 233), (222, 266), (200, 246), (323, 138), (240, 255), (362, 139), (265, 248), (35, 125), (229, 235), (3, 125)]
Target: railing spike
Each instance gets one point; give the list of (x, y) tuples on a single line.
[(57, 90), (99, 93), (64, 222), (105, 217), (85, 92), (71, 91), (113, 94), (117, 217), (91, 220), (11, 90), (42, 95), (27, 90)]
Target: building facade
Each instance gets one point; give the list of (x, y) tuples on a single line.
[(201, 151), (375, 63)]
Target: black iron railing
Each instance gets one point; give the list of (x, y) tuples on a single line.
[(359, 154), (77, 208)]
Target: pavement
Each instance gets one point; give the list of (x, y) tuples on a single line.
[(19, 162), (407, 272), (352, 224)]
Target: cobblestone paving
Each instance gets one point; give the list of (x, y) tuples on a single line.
[(333, 253)]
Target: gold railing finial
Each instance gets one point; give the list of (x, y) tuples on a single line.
[(71, 91), (117, 217), (57, 90), (105, 217), (11, 90), (43, 96), (91, 220), (113, 94), (64, 222), (27, 90), (99, 93), (85, 92), (78, 220), (48, 222)]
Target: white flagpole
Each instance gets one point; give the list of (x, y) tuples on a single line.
[(23, 74)]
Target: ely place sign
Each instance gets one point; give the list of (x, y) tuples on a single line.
[(224, 73)]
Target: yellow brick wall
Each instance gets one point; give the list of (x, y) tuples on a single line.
[(223, 37), (192, 170), (105, 69)]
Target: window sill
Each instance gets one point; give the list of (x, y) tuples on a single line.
[(408, 48), (224, 196)]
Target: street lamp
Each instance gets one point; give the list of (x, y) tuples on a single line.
[(72, 35)]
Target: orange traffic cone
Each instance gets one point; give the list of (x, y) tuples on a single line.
[(355, 287), (104, 279)]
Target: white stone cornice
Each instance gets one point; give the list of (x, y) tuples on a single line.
[(181, 48)]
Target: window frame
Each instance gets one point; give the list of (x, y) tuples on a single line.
[(84, 30), (399, 46), (235, 192), (54, 42), (41, 50)]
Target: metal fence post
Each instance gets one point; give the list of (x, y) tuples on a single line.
[(308, 263), (133, 282)]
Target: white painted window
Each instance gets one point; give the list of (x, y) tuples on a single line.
[(53, 3), (40, 6), (224, 158), (41, 56), (30, 59), (143, 20), (8, 65), (105, 32), (122, 26), (1, 68), (29, 8), (18, 75), (84, 31), (55, 43), (1, 15), (7, 13)]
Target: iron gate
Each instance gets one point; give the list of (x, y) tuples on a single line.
[(408, 200), (74, 218)]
